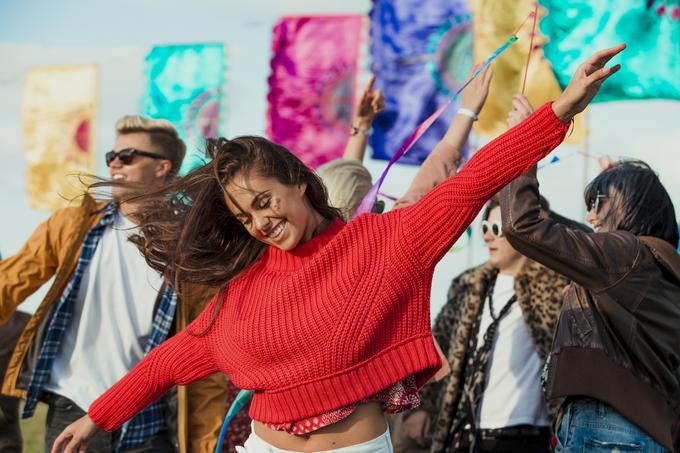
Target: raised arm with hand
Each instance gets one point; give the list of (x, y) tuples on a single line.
[(370, 104), (434, 223), (445, 159)]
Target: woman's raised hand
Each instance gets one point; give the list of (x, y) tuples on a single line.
[(585, 83), (521, 109), (76, 436)]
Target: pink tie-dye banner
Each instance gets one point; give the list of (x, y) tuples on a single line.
[(312, 84)]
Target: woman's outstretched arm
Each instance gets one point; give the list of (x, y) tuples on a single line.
[(181, 360), (434, 223)]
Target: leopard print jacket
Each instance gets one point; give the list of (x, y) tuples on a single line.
[(539, 294)]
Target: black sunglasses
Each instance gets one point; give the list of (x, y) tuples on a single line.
[(125, 156), (494, 227), (596, 202)]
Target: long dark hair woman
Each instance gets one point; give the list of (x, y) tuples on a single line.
[(616, 351), (324, 321)]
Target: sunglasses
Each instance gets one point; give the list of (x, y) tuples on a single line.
[(596, 202), (127, 155), (494, 228)]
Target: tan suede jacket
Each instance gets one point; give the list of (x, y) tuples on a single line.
[(53, 251)]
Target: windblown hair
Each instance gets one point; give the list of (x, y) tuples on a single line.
[(186, 230), (161, 133), (638, 202)]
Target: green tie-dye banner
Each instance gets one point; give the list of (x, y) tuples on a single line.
[(184, 86), (651, 28)]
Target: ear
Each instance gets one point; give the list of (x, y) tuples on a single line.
[(302, 188), (163, 168)]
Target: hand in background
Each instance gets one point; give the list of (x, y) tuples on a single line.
[(585, 83), (474, 95), (521, 109), (417, 427), (371, 103)]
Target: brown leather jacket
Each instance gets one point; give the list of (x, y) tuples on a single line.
[(53, 251), (618, 336)]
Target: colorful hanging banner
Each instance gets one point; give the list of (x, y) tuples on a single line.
[(184, 86), (312, 84), (650, 65), (421, 53), (58, 109), (368, 201), (494, 21)]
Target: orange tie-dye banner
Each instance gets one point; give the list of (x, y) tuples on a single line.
[(493, 22), (58, 109)]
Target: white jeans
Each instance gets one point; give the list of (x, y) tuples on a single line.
[(381, 444)]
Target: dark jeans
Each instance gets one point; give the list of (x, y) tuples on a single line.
[(509, 444), (62, 412)]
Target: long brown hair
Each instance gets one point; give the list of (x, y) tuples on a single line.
[(186, 231)]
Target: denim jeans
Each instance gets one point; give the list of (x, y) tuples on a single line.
[(588, 425)]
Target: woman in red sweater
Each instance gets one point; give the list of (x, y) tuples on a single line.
[(327, 322)]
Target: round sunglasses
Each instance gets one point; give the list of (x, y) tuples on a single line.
[(127, 155), (494, 228)]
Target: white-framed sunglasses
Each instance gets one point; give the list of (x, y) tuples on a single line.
[(596, 202), (494, 228)]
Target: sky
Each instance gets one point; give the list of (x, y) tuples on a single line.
[(117, 35)]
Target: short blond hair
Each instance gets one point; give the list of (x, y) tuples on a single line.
[(161, 133), (347, 182)]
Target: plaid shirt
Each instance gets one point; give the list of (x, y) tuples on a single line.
[(149, 421)]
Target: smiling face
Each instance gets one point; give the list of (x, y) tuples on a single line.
[(142, 170), (273, 213)]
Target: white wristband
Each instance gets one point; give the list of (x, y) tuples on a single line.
[(467, 112)]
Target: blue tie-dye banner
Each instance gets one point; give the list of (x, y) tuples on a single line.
[(184, 86), (420, 51), (650, 65)]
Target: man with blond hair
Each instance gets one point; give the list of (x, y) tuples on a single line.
[(106, 308)]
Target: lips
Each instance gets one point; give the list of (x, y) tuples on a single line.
[(118, 177)]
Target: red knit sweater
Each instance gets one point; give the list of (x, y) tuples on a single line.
[(341, 316)]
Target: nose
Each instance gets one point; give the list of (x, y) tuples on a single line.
[(488, 237), (591, 218), (115, 163), (262, 222)]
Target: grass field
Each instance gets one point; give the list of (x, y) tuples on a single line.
[(33, 430)]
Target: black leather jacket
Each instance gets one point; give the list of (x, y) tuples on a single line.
[(618, 336)]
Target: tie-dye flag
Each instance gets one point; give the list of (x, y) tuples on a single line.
[(184, 86), (494, 21), (312, 85), (58, 109), (421, 53), (650, 28)]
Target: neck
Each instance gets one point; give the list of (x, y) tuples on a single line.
[(317, 225), (512, 269), (128, 210)]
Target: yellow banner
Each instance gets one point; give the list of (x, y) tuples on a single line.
[(494, 21), (58, 109)]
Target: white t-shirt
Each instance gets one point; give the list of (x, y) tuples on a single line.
[(513, 393), (111, 321)]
